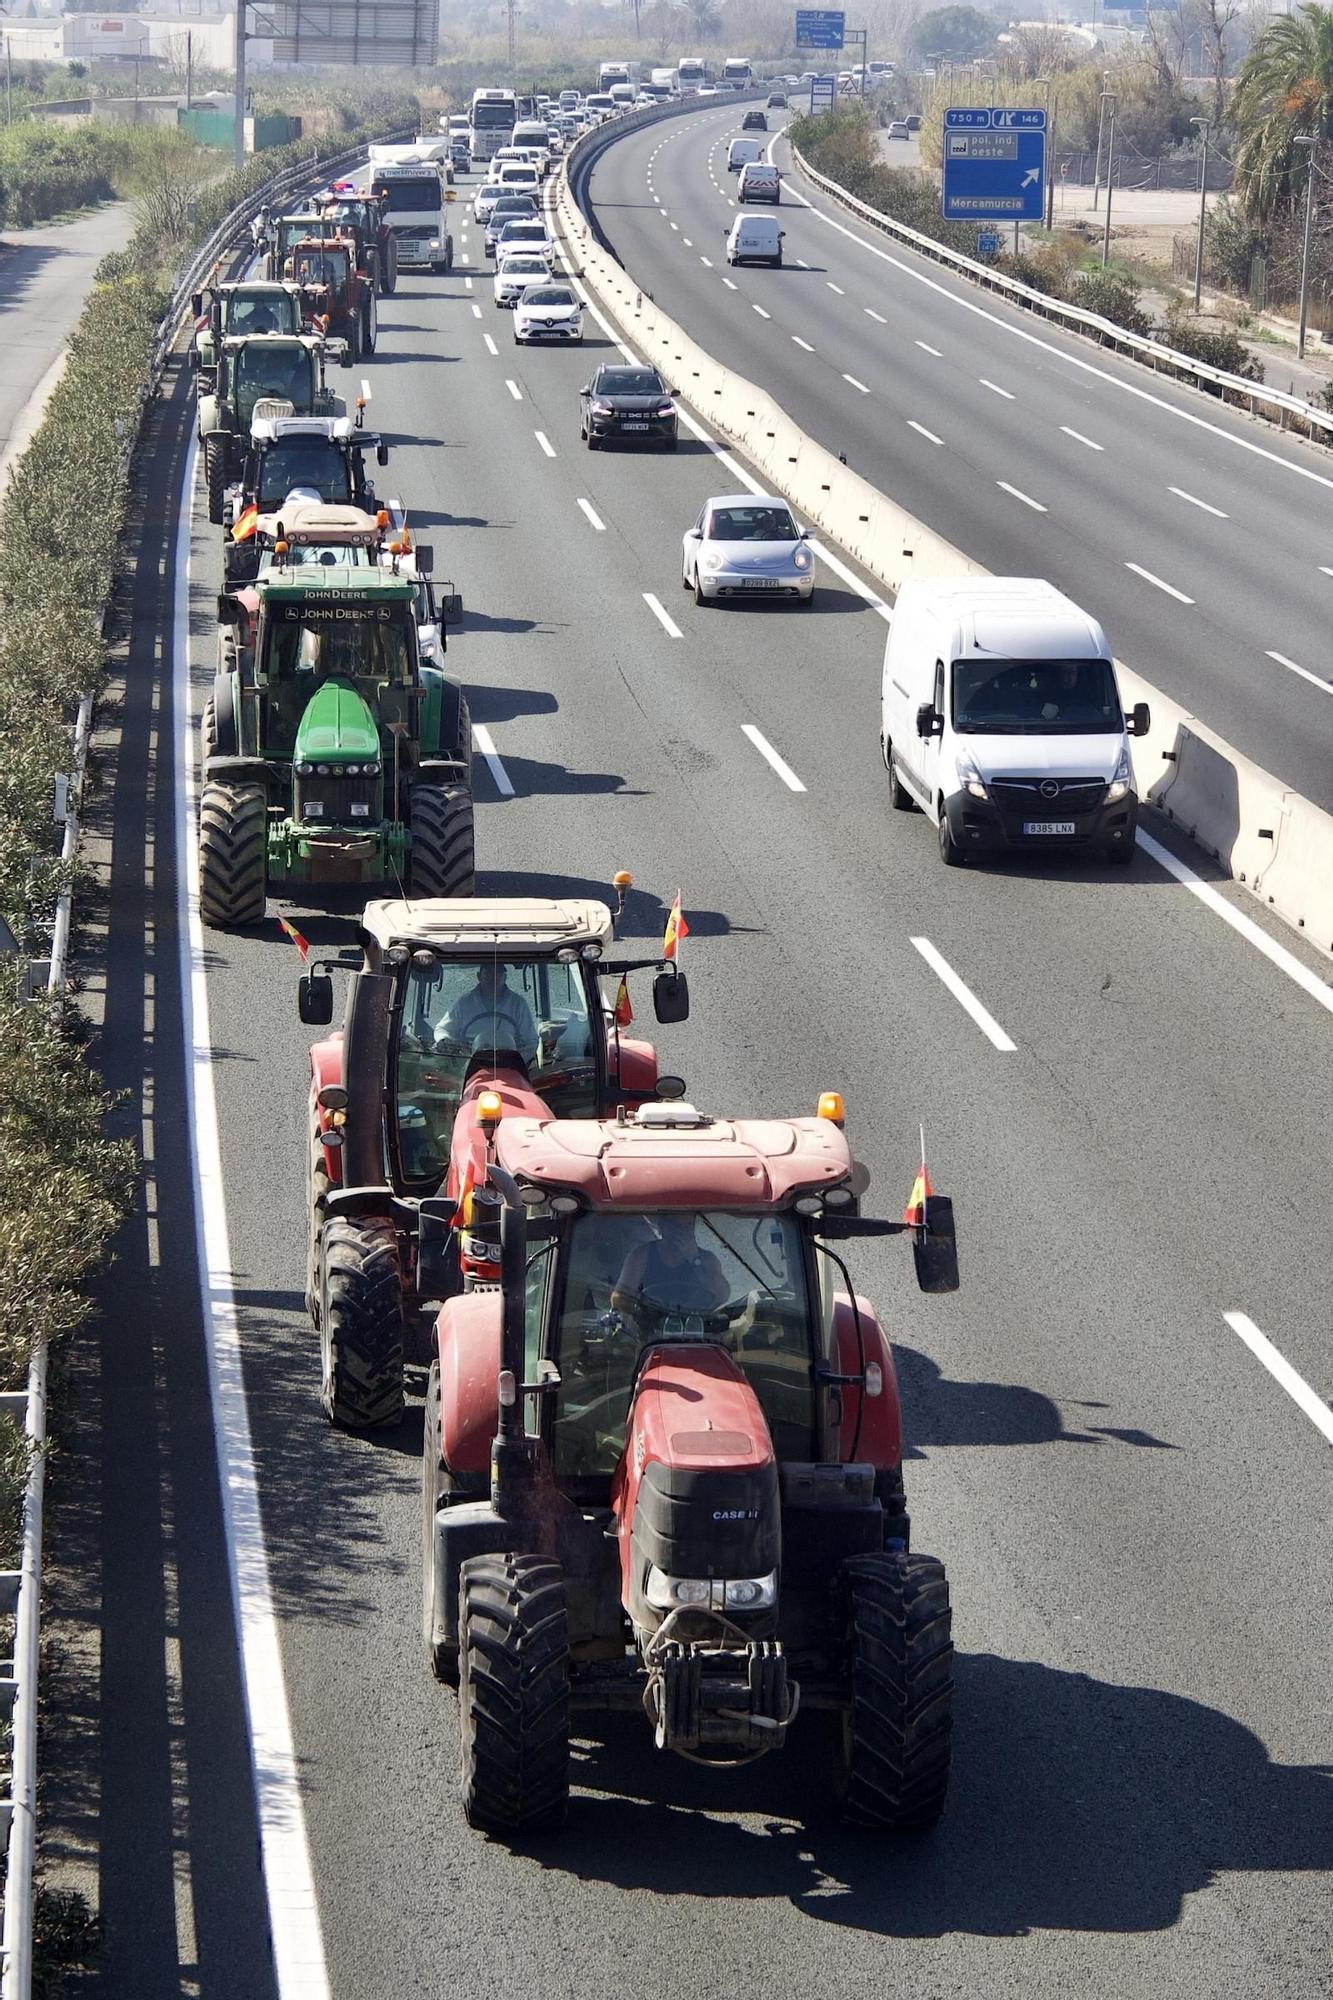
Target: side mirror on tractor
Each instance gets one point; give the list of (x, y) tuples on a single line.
[(229, 610), (935, 1248), (671, 998), (314, 999), (381, 454), (425, 558)]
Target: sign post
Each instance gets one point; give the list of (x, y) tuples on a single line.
[(823, 90), (994, 164), (820, 28)]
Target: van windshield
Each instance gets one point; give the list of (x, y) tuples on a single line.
[(1035, 697)]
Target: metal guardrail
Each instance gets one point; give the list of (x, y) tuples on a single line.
[(1274, 404), (21, 1589)]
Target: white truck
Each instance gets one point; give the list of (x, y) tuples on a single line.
[(493, 118), (691, 75), (414, 194)]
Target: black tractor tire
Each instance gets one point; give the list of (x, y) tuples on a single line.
[(354, 343), (360, 1323), (513, 1694), (443, 857), (951, 854), (208, 734), (317, 1190), (233, 856), (443, 1658), (389, 271), (462, 746), (215, 478), (893, 1771), (368, 331)]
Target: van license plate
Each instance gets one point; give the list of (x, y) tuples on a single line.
[(1056, 826)]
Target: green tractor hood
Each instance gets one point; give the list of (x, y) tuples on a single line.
[(338, 726)]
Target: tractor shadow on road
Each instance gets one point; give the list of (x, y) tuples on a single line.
[(644, 917), (1077, 1805), (505, 704), (938, 1412)]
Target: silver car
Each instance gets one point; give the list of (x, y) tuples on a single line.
[(747, 545)]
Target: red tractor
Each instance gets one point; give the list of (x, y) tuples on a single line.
[(663, 1461), (447, 998)]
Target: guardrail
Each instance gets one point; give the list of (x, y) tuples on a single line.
[(21, 1589), (1273, 404)]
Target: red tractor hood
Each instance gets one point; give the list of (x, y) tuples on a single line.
[(694, 1408)]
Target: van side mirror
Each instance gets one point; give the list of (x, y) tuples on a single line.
[(1140, 720), (671, 998), (314, 999), (928, 722)]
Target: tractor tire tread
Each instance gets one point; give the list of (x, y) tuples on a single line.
[(898, 1734), (514, 1694), (361, 1330), (443, 857), (233, 856)]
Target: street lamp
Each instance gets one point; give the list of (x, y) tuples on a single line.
[(1203, 196), (1110, 175), (1101, 118), (1309, 145)]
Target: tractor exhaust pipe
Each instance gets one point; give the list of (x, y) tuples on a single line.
[(513, 1459)]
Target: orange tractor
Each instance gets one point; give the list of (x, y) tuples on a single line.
[(337, 295)]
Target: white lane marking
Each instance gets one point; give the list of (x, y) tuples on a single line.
[(930, 350), (668, 624), (1281, 1370), (1169, 588), (686, 241), (545, 443), (707, 262), (467, 282), (1026, 498), (485, 742), (1080, 439), (676, 227), (1315, 680), (594, 517), (835, 288), (729, 284), (1181, 494), (801, 261), (289, 1883), (766, 751), (913, 425), (476, 310), (995, 388), (1325, 570), (964, 995), (1277, 954), (803, 343), (856, 385), (513, 389), (760, 310), (491, 347), (870, 313)]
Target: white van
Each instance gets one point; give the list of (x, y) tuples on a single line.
[(530, 135), (760, 182), (1000, 718), (741, 152), (755, 239)]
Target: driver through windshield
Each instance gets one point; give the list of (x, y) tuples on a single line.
[(1029, 697)]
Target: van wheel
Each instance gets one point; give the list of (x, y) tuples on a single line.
[(899, 797), (950, 853)]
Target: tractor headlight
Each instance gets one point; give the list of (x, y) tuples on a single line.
[(747, 1593), (1121, 778), (304, 770), (752, 1593), (323, 770)]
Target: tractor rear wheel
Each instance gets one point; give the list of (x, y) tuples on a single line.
[(513, 1699), (894, 1763), (215, 478), (443, 1658), (317, 1191), (233, 857), (443, 857), (389, 269), (208, 734), (369, 326), (360, 1323)]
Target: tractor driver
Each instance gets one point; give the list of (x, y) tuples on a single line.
[(491, 1015), (671, 1273)]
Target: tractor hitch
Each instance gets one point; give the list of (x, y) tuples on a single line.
[(736, 1698)]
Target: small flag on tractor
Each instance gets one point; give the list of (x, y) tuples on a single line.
[(302, 944), (624, 1013), (676, 929), (246, 524), (463, 1210), (914, 1215)]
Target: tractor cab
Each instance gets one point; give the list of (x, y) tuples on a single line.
[(250, 306), (305, 534), (335, 664), (319, 457), (321, 267), (346, 211), (261, 376), (285, 232)]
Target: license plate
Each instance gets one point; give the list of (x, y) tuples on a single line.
[(626, 425), (756, 583), (1056, 826), (313, 809)]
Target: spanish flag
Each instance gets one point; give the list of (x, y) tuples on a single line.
[(624, 1013), (676, 929), (463, 1210), (914, 1215), (246, 524), (302, 944)]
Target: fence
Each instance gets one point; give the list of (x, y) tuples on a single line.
[(1133, 172)]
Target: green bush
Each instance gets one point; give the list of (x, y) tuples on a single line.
[(1112, 296), (1220, 347), (1229, 244)]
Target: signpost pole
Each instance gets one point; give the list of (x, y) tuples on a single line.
[(1110, 170), (239, 147)]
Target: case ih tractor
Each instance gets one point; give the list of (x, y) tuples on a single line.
[(250, 305), (330, 754), (349, 210), (336, 296), (261, 374), (448, 998), (663, 1464)]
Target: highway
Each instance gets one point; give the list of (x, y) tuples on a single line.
[(1129, 1101), (45, 276), (1199, 536)]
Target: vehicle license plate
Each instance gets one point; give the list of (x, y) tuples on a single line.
[(756, 582), (1056, 826), (629, 424)]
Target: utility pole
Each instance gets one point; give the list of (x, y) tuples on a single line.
[(9, 82), (1101, 119), (238, 155), (1110, 176), (1203, 196), (1310, 146), (189, 67), (511, 9), (1050, 154)]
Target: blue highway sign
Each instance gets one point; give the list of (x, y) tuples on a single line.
[(823, 90), (994, 164), (820, 28)]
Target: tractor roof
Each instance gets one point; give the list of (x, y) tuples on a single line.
[(338, 580), (286, 341), (254, 288), (474, 925), (337, 430), (672, 1156), (320, 523)]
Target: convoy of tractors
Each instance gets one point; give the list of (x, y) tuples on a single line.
[(663, 1451)]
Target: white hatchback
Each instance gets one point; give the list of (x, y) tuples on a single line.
[(516, 272), (485, 199), (548, 312)]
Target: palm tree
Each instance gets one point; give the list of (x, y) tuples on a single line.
[(1285, 88)]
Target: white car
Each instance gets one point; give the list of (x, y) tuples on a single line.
[(747, 545), (526, 233), (485, 199), (548, 312), (516, 272)]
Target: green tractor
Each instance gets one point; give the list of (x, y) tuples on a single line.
[(261, 374), (250, 305), (330, 752)]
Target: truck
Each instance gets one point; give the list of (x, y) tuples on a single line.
[(691, 74), (413, 194), (665, 79), (493, 118), (738, 70), (617, 72)]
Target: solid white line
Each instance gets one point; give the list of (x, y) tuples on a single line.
[(1080, 439), (930, 350), (513, 389), (668, 624), (1304, 672), (729, 285), (803, 343), (1008, 394), (1181, 494), (1325, 570), (835, 288), (476, 310), (856, 385), (760, 310), (964, 995), (870, 313), (913, 425), (1026, 498), (491, 347), (545, 443), (595, 518), (1281, 1370), (766, 750), (289, 1884), (1169, 588), (707, 262), (1286, 961), (485, 742)]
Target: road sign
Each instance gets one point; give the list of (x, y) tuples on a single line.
[(819, 28), (994, 164), (403, 33), (989, 243), (823, 90)]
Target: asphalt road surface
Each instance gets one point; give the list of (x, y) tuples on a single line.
[(1133, 1511), (45, 276)]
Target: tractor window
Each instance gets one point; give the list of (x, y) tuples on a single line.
[(269, 312), (532, 1011), (320, 267), (307, 647), (287, 373), (311, 462), (629, 1280)]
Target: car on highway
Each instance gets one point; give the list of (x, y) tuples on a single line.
[(551, 311), (516, 271), (743, 153), (913, 121), (754, 121), (520, 177), (760, 182), (634, 404), (509, 208), (484, 200), (898, 129), (747, 545), (525, 232), (777, 100), (706, 90), (755, 239)]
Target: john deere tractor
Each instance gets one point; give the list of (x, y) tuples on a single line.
[(336, 296), (330, 754), (251, 305), (281, 374)]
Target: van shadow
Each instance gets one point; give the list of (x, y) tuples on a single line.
[(1077, 1805), (938, 1412)]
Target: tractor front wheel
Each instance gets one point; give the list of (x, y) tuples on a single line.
[(360, 1323), (317, 1192), (215, 478), (233, 854), (389, 270), (513, 1698), (443, 1657), (894, 1765), (443, 857)]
